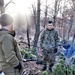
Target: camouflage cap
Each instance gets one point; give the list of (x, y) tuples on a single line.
[(6, 19)]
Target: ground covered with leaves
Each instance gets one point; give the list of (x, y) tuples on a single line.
[(64, 62), (31, 68)]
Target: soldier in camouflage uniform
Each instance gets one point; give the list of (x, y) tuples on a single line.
[(48, 42)]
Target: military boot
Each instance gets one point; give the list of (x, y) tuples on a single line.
[(44, 67), (50, 67)]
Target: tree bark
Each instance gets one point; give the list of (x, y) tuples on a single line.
[(70, 26), (55, 12), (2, 9), (46, 11), (37, 27), (28, 36)]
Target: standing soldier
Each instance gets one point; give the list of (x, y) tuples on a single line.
[(48, 43), (10, 57)]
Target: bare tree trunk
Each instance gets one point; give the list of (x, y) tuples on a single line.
[(46, 11), (34, 13), (28, 36), (55, 12), (63, 26), (2, 10), (2, 7), (37, 32), (71, 23), (73, 1), (73, 38), (56, 9), (64, 32)]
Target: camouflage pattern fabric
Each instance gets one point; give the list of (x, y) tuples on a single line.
[(48, 41)]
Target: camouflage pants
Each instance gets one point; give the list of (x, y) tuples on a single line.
[(48, 58)]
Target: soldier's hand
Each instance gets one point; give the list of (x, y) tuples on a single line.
[(19, 67), (55, 51), (59, 47)]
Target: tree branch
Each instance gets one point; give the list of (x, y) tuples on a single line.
[(9, 3)]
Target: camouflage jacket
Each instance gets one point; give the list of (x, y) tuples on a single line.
[(48, 39)]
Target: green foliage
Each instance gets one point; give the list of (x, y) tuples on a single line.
[(27, 53), (59, 70), (61, 56), (44, 72), (63, 69)]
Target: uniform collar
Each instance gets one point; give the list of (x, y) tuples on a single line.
[(10, 32)]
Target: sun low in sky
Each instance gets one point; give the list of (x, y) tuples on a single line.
[(19, 6), (23, 6)]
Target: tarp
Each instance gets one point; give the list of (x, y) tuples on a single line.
[(70, 51)]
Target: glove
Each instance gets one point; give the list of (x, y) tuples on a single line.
[(55, 51), (0, 71), (19, 67)]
